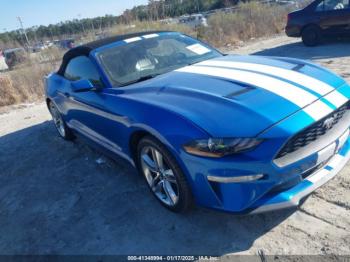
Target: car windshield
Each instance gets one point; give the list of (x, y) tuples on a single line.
[(142, 58)]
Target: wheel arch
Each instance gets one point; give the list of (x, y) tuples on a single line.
[(310, 25), (140, 132), (134, 140), (48, 101)]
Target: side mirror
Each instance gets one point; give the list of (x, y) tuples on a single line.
[(82, 85)]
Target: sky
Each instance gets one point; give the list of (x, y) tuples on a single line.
[(45, 12)]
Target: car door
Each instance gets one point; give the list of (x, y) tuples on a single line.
[(334, 16), (90, 112)]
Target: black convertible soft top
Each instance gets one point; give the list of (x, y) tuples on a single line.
[(84, 50)]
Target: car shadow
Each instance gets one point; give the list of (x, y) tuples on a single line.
[(330, 48), (66, 198)]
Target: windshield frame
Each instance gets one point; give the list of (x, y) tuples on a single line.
[(114, 84)]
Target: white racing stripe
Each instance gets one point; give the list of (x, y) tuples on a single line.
[(133, 39), (150, 36), (336, 98), (296, 95), (314, 110), (309, 82)]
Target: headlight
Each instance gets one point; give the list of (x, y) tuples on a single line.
[(219, 147)]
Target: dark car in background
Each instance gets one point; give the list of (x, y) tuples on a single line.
[(66, 43), (322, 18), (15, 56)]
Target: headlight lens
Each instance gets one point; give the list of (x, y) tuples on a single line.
[(219, 147)]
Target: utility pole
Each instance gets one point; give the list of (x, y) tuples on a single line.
[(92, 25), (101, 24), (51, 34), (82, 23), (23, 30), (163, 9), (198, 6), (34, 28)]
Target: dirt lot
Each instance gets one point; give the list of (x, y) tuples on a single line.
[(65, 198)]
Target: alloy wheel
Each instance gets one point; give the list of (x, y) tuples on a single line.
[(160, 177), (57, 119)]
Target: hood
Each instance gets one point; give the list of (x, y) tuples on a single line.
[(240, 96)]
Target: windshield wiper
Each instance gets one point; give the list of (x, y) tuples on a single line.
[(140, 79), (192, 63)]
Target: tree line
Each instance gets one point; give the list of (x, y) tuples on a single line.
[(154, 10), (171, 8)]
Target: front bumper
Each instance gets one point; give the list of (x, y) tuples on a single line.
[(276, 191), (292, 197), (293, 31)]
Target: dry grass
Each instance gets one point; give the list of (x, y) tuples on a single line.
[(254, 20), (138, 26), (25, 82)]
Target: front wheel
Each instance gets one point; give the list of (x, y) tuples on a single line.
[(311, 36), (60, 125), (163, 175)]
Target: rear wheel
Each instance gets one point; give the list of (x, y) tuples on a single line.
[(311, 36), (163, 175), (60, 125)]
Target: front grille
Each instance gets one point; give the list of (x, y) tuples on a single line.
[(313, 132)]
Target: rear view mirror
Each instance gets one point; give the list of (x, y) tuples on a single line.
[(82, 85)]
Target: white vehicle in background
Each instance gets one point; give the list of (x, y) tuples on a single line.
[(288, 3), (168, 21), (3, 65), (48, 44), (194, 20), (39, 47)]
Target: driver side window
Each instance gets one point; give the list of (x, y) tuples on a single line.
[(329, 5), (81, 67)]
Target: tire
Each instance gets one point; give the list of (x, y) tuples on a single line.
[(164, 176), (61, 126), (311, 36)]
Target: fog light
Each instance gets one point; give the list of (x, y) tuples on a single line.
[(236, 179)]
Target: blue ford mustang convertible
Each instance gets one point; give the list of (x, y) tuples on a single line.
[(237, 133)]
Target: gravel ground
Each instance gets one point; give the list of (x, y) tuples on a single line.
[(65, 198)]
